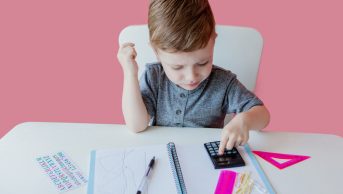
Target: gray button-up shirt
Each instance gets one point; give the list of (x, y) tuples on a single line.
[(206, 106)]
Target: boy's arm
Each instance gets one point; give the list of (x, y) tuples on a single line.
[(256, 118), (236, 132), (134, 110)]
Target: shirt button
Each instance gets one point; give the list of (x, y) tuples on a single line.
[(178, 112), (182, 95)]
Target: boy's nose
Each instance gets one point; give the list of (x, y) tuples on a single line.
[(191, 77)]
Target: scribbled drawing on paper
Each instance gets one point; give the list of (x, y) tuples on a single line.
[(121, 172)]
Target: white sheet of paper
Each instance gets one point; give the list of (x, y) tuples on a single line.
[(121, 170)]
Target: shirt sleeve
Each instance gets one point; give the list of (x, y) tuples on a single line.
[(149, 88), (239, 98)]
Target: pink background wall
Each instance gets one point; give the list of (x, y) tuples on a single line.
[(58, 60)]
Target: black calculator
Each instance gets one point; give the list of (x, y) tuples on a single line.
[(230, 158)]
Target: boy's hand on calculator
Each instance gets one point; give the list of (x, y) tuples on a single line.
[(127, 58), (235, 133)]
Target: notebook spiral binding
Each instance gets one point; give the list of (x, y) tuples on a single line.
[(176, 168)]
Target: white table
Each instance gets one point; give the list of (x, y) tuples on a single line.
[(322, 173)]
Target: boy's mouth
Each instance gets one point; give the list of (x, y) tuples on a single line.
[(191, 86)]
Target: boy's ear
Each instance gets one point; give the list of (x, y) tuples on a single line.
[(215, 36), (156, 52)]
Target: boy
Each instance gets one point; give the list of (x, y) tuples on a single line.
[(184, 89)]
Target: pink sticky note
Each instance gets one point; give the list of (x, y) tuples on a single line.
[(269, 157), (226, 182)]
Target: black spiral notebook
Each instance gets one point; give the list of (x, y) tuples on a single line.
[(178, 169)]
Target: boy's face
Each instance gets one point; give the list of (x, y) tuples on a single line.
[(188, 69)]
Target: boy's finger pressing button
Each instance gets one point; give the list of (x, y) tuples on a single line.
[(231, 142), (223, 143)]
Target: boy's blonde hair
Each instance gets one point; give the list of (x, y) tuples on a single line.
[(180, 25)]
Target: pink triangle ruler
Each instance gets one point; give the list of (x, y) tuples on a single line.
[(293, 159)]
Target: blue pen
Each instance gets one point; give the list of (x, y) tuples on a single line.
[(145, 177)]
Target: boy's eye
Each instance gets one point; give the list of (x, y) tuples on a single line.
[(177, 67), (203, 64)]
